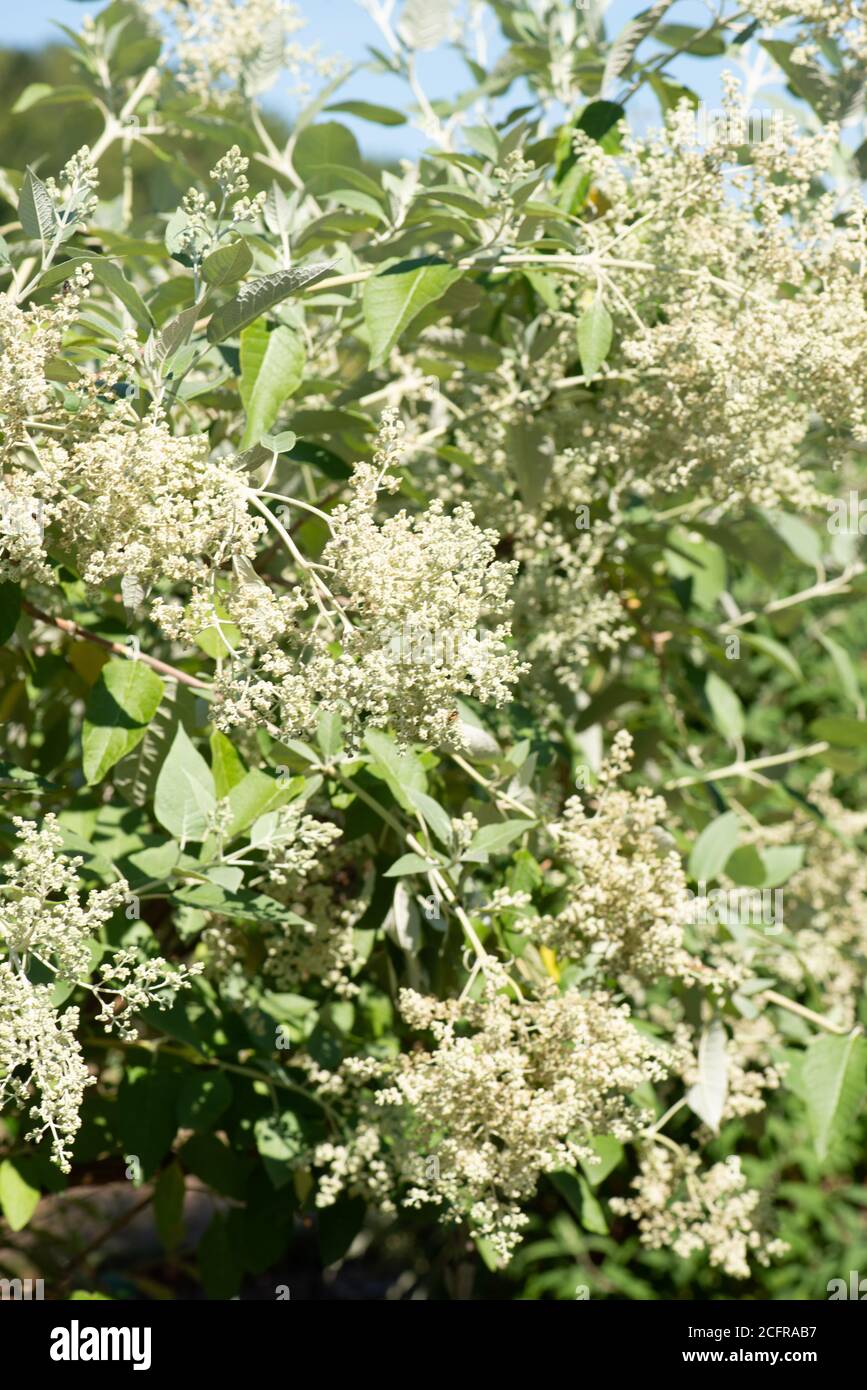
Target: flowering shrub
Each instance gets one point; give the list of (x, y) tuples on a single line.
[(417, 588)]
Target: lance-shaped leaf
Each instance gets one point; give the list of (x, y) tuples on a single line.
[(714, 846), (493, 839), (108, 273), (626, 43), (595, 332), (708, 1096), (36, 211), (393, 298), (272, 369), (259, 295), (834, 1078)]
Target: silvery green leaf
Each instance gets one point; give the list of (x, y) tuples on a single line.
[(425, 23), (402, 922), (260, 295), (834, 1081), (36, 210), (708, 1096), (624, 47), (260, 72)]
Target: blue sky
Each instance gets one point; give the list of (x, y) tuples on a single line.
[(341, 27)]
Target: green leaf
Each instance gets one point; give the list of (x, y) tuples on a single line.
[(713, 847), (531, 454), (368, 111), (409, 864), (338, 1225), (175, 334), (622, 50), (10, 609), (324, 152), (185, 794), (845, 669), (33, 93), (578, 1192), (219, 1267), (592, 1215), (726, 708), (707, 1096), (36, 211), (254, 795), (400, 770), (259, 295), (780, 863), (491, 839), (689, 37), (226, 766), (699, 560), (135, 776), (834, 1079), (227, 264), (145, 1113), (774, 649), (432, 814), (109, 274), (272, 369), (121, 705), (215, 1164), (799, 536), (280, 1142), (609, 1152), (203, 1097), (169, 1196), (598, 117), (595, 333), (841, 731), (18, 1200), (329, 733), (393, 298)]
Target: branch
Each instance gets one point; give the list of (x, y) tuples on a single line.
[(66, 625), (744, 769)]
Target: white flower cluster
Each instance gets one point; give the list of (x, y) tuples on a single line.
[(325, 894), (327, 901), (40, 912), (75, 196), (510, 1089), (135, 500), (755, 327), (678, 1206), (29, 338), (626, 892), (43, 921), (844, 21), (225, 44), (430, 573), (206, 220), (40, 1061)]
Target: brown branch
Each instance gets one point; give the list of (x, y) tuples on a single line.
[(73, 629), (113, 1229)]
